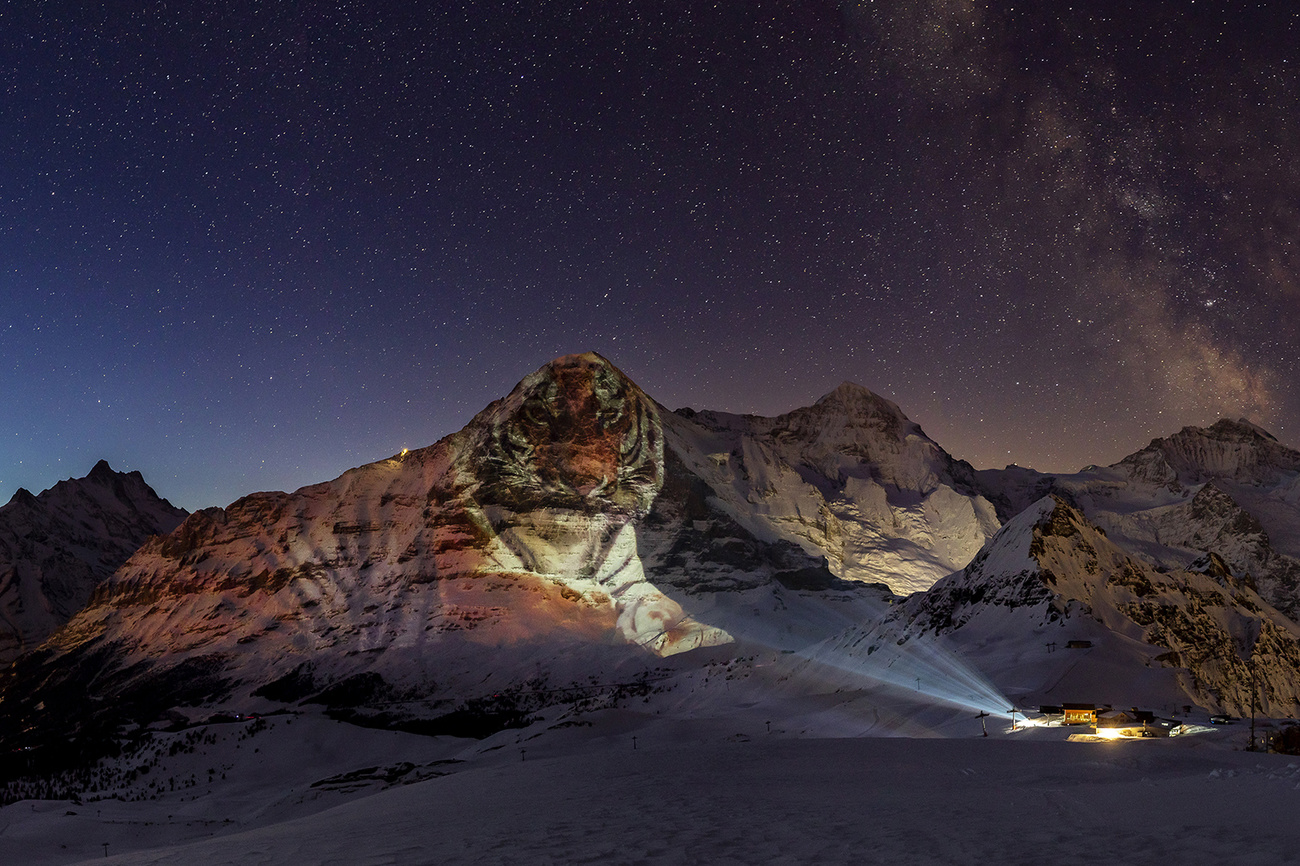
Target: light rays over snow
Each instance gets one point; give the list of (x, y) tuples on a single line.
[(924, 668), (923, 665)]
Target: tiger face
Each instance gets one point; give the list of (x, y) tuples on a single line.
[(576, 434)]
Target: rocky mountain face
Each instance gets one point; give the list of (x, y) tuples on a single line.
[(58, 546), (1230, 489), (564, 535), (1236, 450), (1051, 577)]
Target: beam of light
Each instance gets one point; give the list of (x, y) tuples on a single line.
[(922, 666), (929, 667)]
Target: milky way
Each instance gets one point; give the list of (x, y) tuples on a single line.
[(246, 246)]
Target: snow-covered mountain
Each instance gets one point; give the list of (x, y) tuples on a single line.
[(564, 536), (56, 547), (1230, 489), (576, 541), (849, 478), (1054, 610)]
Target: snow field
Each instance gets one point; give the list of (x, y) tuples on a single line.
[(625, 787)]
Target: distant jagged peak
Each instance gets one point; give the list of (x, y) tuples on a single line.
[(102, 484), (22, 497), (126, 487), (849, 407), (101, 471), (850, 432), (854, 398), (1241, 429), (862, 408), (56, 548), (1236, 450)]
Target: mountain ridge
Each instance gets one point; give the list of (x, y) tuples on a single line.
[(576, 531)]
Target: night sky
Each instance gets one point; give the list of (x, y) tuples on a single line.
[(246, 246)]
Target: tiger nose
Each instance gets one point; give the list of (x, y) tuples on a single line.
[(592, 487)]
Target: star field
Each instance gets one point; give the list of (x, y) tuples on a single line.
[(246, 246)]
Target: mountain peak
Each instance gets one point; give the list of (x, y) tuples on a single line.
[(1237, 450), (860, 409), (581, 357), (102, 472), (22, 495), (847, 388), (851, 394), (73, 536), (1241, 429)]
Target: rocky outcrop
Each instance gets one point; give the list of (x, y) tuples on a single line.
[(574, 532), (567, 531), (1236, 450), (1213, 523)]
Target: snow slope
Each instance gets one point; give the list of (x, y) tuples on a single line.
[(554, 542), (673, 638), (727, 792), (825, 801), (575, 536)]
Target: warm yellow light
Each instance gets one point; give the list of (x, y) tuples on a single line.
[(1108, 733), (405, 451)]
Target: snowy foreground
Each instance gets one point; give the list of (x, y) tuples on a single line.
[(305, 790)]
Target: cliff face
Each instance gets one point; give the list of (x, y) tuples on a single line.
[(574, 532), (1236, 450), (517, 529)]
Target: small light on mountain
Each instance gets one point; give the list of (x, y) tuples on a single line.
[(405, 451)]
